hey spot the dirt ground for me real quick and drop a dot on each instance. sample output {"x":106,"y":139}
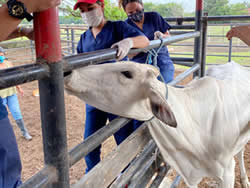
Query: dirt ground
{"x":32,"y":151}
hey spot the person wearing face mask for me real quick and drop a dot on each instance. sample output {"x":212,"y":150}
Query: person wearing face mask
{"x":9,"y":97}
{"x":100,"y":35}
{"x":154,"y":27}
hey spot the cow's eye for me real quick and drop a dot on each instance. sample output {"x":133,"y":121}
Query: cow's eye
{"x":127,"y":74}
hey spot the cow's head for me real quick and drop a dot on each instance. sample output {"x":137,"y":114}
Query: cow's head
{"x":126,"y":89}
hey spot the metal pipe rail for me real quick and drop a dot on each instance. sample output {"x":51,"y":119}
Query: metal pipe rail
{"x":187,"y":59}
{"x":214,"y":46}
{"x":183,"y":27}
{"x":228,"y":18}
{"x":95,"y":140}
{"x":42,"y":178}
{"x":28,"y":73}
{"x":217,"y":55}
{"x":135,"y":165}
{"x":209,"y":18}
{"x":45,"y":176}
{"x":182,"y":76}
{"x":73,"y":62}
{"x":79,"y":151}
{"x":167,"y":41}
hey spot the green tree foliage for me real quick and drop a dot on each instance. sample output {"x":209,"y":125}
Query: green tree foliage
{"x":69,"y":20}
{"x":111,"y":12}
{"x":238,"y":9}
{"x":222,"y":7}
{"x":166,"y":9}
{"x":216,"y":7}
{"x":150,"y":7}
{"x":247,"y":4}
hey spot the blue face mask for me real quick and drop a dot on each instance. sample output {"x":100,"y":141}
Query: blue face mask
{"x":2,"y":58}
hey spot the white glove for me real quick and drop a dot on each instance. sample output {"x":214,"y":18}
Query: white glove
{"x":123,"y":47}
{"x":158,"y":35}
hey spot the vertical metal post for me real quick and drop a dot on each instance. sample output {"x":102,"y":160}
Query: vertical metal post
{"x":68,"y":43}
{"x":230,"y":47}
{"x":48,"y":50}
{"x":198,"y":27}
{"x":32,"y":50}
{"x":73,"y":40}
{"x":204,"y":46}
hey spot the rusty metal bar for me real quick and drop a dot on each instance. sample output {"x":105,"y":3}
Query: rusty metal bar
{"x":51,"y":89}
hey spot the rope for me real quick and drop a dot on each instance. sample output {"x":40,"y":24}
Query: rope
{"x":152,"y":60}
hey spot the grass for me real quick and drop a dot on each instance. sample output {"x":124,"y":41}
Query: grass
{"x":221,"y":60}
{"x":218,"y":30}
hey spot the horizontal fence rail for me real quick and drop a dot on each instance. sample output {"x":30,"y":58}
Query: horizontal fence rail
{"x":209,"y":18}
{"x":27,"y":73}
{"x":72,"y":62}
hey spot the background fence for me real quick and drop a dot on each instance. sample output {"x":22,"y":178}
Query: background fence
{"x":51,"y":82}
{"x":219,"y":49}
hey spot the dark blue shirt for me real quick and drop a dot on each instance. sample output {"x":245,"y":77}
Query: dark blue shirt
{"x":3,"y":110}
{"x":153,"y":22}
{"x":112,"y":32}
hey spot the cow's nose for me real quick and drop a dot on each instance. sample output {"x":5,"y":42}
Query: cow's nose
{"x":67,"y":73}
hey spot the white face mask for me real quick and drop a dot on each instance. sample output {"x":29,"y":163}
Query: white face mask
{"x":93,"y":18}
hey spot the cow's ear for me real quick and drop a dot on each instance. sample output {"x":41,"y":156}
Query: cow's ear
{"x":161,"y":109}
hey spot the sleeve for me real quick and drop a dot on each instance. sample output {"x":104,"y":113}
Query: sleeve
{"x":162,"y":25}
{"x":127,"y":30}
{"x":79,"y":46}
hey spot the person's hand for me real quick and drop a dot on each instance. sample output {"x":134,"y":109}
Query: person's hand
{"x":38,"y":6}
{"x":123,"y":47}
{"x":20,"y":90}
{"x":27,"y":32}
{"x":158,"y":35}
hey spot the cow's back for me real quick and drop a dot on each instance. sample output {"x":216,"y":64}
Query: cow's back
{"x":213,"y":124}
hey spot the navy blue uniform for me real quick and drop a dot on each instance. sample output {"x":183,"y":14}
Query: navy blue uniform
{"x":111,"y":33}
{"x":154,"y":22}
{"x":10,"y":163}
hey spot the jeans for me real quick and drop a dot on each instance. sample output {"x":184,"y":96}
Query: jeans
{"x":95,"y":120}
{"x":10,"y":163}
{"x":167,"y":72}
{"x":13,"y":105}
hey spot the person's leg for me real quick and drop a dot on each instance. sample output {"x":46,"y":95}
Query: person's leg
{"x":137,"y":124}
{"x":95,"y":119}
{"x":13,"y":105}
{"x":167,"y":71}
{"x":10,"y":163}
{"x":124,"y":132}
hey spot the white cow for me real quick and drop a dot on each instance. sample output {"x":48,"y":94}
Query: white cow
{"x":211,"y":116}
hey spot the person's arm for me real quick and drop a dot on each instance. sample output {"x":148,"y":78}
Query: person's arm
{"x":241,"y":32}
{"x":8,"y":23}
{"x":22,"y":32}
{"x":132,"y":42}
{"x":140,"y":41}
{"x":131,"y":38}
